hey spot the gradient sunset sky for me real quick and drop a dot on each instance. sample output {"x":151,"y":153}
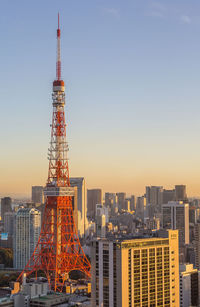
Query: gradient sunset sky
{"x":132,"y":74}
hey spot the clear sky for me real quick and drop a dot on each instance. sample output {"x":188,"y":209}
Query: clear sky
{"x":132,"y":74}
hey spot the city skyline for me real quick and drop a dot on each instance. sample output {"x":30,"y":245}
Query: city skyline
{"x":132,"y":98}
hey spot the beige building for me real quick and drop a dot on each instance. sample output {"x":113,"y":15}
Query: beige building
{"x":140,"y":272}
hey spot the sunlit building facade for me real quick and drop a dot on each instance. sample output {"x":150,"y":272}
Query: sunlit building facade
{"x":79,"y":183}
{"x":140,"y":272}
{"x":27,"y":227}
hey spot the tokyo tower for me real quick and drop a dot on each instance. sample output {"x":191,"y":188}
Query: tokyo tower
{"x":58,"y":250}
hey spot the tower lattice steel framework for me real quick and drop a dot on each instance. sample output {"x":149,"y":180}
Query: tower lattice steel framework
{"x":58,"y":250}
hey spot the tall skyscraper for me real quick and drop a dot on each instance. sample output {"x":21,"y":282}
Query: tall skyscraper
{"x":132,"y":203}
{"x":6,"y":206}
{"x":94,"y":197}
{"x":76,"y":216}
{"x":121,"y":200}
{"x":180,"y":192}
{"x":100,"y":210}
{"x":127,"y":204}
{"x":189,"y":292}
{"x":176,"y":216}
{"x":137,"y":272}
{"x":27,"y":231}
{"x":79,"y":182}
{"x":168,"y":195}
{"x":154,"y":196}
{"x":197,"y":245}
{"x":192,"y":214}
{"x":110,"y":199}
{"x":101,"y":219}
{"x":9,"y":223}
{"x":141,"y":207}
{"x":38,"y":194}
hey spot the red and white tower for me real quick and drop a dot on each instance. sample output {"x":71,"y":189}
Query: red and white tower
{"x":58,"y":250}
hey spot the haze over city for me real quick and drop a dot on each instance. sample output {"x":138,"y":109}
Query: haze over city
{"x":131,"y":70}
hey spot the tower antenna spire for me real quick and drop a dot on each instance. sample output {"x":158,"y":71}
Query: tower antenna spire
{"x":58,"y":63}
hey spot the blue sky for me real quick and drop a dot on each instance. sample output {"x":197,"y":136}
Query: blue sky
{"x":132,"y":74}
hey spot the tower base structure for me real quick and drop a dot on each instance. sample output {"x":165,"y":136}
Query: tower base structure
{"x":58,"y":251}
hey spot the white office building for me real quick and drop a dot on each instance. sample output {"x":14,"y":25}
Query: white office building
{"x":27,"y":227}
{"x":101,"y":219}
{"x":188,"y":285}
{"x":79,"y":182}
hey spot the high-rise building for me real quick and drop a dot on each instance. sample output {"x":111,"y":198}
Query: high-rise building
{"x":192,"y":215}
{"x":27,"y":231}
{"x":101,"y":226}
{"x":127,"y":204}
{"x":94,"y":197}
{"x":79,"y":182}
{"x":189,"y":292}
{"x":76,"y":216}
{"x":132,"y":203}
{"x":168,"y":195}
{"x":154,"y":196}
{"x":100,"y":210}
{"x":110,"y":199}
{"x":192,"y":220}
{"x":6,"y":206}
{"x":137,"y":272}
{"x":38,"y":194}
{"x":196,"y":203}
{"x":147,"y":194}
{"x":101,"y":219}
{"x":197,"y":245}
{"x":121,"y":200}
{"x":180,"y":192}
{"x":141,"y":207}
{"x":9,"y":223}
{"x":176,"y":216}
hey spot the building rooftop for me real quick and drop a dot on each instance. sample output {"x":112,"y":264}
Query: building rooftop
{"x":51,"y":296}
{"x":61,"y":299}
